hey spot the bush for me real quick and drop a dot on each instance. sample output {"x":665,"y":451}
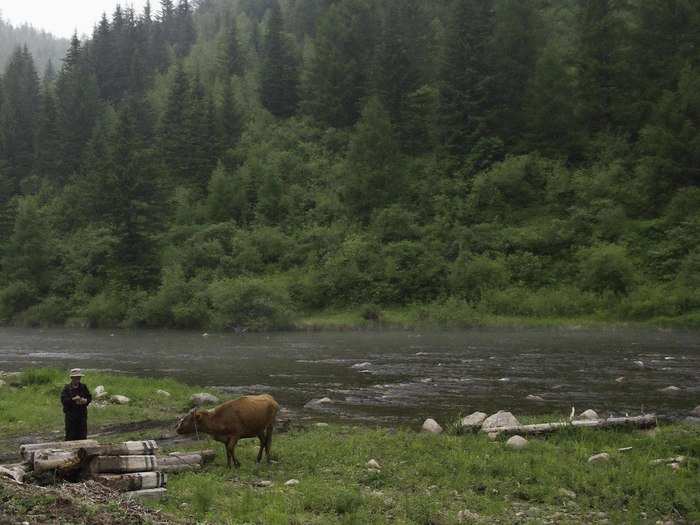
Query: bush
{"x":658,"y":300}
{"x":561,"y":301}
{"x":51,"y":311}
{"x":248,"y":302}
{"x":15,"y":298}
{"x":41,"y":376}
{"x":105,"y":310}
{"x":606,"y":267}
{"x":472,"y":276}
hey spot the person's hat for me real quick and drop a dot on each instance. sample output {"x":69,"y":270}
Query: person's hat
{"x":76,"y":372}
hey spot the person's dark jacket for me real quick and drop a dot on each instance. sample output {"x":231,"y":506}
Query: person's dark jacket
{"x":69,"y":406}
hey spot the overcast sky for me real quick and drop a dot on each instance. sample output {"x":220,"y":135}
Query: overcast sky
{"x":63,"y":17}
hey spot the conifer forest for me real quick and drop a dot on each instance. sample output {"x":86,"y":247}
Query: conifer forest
{"x":247,"y":163}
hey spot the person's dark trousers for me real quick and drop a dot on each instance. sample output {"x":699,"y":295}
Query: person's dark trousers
{"x":76,"y":427}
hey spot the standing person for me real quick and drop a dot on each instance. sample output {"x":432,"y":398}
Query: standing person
{"x":75,"y":398}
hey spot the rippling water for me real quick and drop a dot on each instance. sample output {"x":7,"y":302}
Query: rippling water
{"x":397,"y":376}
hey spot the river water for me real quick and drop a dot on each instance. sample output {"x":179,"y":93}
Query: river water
{"x":397,"y":377}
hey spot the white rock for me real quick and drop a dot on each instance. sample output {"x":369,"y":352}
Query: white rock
{"x":100,"y":392}
{"x":567,"y":493}
{"x":163,"y":393}
{"x":467,"y":516}
{"x":696,"y":411}
{"x":670,"y":389}
{"x":473,"y":421}
{"x":675,"y":466}
{"x":620,"y":379}
{"x":2,"y":383}
{"x":534,"y":398}
{"x":625,"y":449}
{"x":638,"y":364}
{"x":321,"y":425}
{"x":373,"y":463}
{"x":493,"y":436}
{"x":359,"y":366}
{"x":119,"y":400}
{"x":264,"y":483}
{"x":599,"y":458}
{"x":431,"y":426}
{"x":291,"y":482}
{"x":500,"y":419}
{"x":314,"y":403}
{"x":516,"y":442}
{"x":589,"y":415}
{"x":203,"y":399}
{"x":504,"y":379}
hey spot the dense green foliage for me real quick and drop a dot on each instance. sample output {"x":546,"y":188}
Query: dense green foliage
{"x":243,"y":163}
{"x":44,"y":47}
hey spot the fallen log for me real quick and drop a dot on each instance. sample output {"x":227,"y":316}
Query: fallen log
{"x":27,"y":451}
{"x":45,"y":460}
{"x":133,"y":481}
{"x":180,"y":467}
{"x":152,"y":494}
{"x":16,"y":471}
{"x":122,"y":464}
{"x":128,"y":448}
{"x":181,"y":461}
{"x":645,"y":421}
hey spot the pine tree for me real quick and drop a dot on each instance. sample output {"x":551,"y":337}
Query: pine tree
{"x":467,"y":76}
{"x":18,"y":117}
{"x":230,"y":121}
{"x":185,"y":31}
{"x":279,"y":75}
{"x":174,"y":146}
{"x":47,"y":135}
{"x":230,"y":57}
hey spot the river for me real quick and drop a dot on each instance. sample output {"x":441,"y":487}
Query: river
{"x":397,"y":377}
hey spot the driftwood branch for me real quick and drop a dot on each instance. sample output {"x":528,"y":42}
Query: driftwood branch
{"x":645,"y":421}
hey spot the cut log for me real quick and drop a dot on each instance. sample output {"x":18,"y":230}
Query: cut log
{"x":27,"y":451}
{"x":151,"y":494}
{"x":16,"y":471}
{"x":45,"y":460}
{"x":182,"y":461}
{"x":122,"y":464}
{"x":128,"y":448}
{"x":646,"y":421}
{"x":180,"y":467}
{"x":133,"y":481}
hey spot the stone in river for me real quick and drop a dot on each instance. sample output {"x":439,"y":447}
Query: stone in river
{"x":532,"y":397}
{"x":473,"y":421}
{"x":431,"y":426}
{"x":620,"y":379}
{"x":366,"y":364}
{"x":315,"y":403}
{"x":589,"y":415}
{"x":696,"y":411}
{"x":638,"y":364}
{"x":203,"y":399}
{"x":500,"y":419}
{"x":599,"y":458}
{"x":670,"y":389}
{"x":516,"y":442}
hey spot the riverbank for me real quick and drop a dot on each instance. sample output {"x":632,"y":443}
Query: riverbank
{"x":421,"y":478}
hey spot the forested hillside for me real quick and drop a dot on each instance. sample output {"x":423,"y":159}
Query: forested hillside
{"x":249,"y":162}
{"x":43,"y":46}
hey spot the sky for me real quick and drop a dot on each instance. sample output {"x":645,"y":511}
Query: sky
{"x":62,"y":17}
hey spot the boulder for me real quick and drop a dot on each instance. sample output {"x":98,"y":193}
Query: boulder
{"x":203,"y":399}
{"x":119,"y":400}
{"x":516,"y":442}
{"x":264,"y":483}
{"x":473,"y":421}
{"x":360,"y":366}
{"x":532,"y":397}
{"x":431,"y":426}
{"x":321,"y":425}
{"x":696,"y":411}
{"x":620,"y":379}
{"x":638,"y":364}
{"x":315,"y":403}
{"x":493,"y":436}
{"x":500,"y":419}
{"x":589,"y":415}
{"x":291,"y":482}
{"x":163,"y":393}
{"x":599,"y":458}
{"x":670,"y":390}
{"x":372,"y":463}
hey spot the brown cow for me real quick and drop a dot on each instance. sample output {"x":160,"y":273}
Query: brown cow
{"x":246,"y":417}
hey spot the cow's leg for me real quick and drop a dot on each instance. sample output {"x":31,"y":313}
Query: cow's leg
{"x":231,"y":448}
{"x":261,"y":437}
{"x":228,"y":455}
{"x":268,"y":442}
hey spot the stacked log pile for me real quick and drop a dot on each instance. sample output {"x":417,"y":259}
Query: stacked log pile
{"x":132,"y":467}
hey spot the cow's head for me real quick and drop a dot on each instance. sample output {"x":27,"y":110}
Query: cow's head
{"x":187,"y":424}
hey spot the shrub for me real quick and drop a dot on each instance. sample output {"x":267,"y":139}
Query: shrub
{"x":471,"y":276}
{"x":371,"y":312}
{"x":51,"y":311}
{"x":606,"y":267}
{"x":105,"y":310}
{"x":248,"y":302}
{"x":560,"y":301}
{"x":16,"y":297}
{"x":40,"y":376}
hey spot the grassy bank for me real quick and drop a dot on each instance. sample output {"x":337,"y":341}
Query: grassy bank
{"x":424,"y":479}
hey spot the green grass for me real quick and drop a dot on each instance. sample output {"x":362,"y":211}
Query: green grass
{"x":32,"y":402}
{"x":424,"y":479}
